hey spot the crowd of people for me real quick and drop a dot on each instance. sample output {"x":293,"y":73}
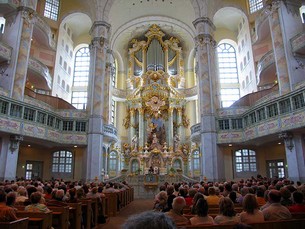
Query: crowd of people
{"x":260,"y":199}
{"x":37,"y":196}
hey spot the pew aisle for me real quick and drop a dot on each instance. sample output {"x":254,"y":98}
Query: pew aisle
{"x":135,"y":207}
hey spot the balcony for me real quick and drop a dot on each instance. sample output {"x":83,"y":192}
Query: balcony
{"x":43,"y":34}
{"x":119,"y":94}
{"x":266,"y":70}
{"x":110,"y":133}
{"x":298,"y":44}
{"x":5,"y":53}
{"x":196,"y":133}
{"x":38,"y":75}
{"x":7,"y":6}
{"x":189,"y":93}
{"x":262,"y":29}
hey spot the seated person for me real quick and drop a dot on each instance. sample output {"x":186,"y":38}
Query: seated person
{"x":149,"y":220}
{"x":35,"y":205}
{"x":6,"y":213}
{"x":251,"y":213}
{"x":22,"y":195}
{"x":202,"y":217}
{"x":57,"y":201}
{"x":276,"y":211}
{"x":227,"y":212}
{"x":161,"y":202}
{"x":176,"y":212}
{"x":298,"y":201}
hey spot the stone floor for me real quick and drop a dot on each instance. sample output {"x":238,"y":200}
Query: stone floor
{"x":135,"y":207}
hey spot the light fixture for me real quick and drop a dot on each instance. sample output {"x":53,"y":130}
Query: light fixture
{"x":29,"y":145}
{"x":230,"y":145}
{"x":15,"y":141}
{"x":288,"y":139}
{"x":75,"y":146}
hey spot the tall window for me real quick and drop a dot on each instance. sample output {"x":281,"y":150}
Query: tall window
{"x":245,"y":161}
{"x":228,"y":74}
{"x":255,"y":5}
{"x":51,"y":9}
{"x":81,"y":77}
{"x":196,"y":162}
{"x":112,"y":161}
{"x":62,"y":162}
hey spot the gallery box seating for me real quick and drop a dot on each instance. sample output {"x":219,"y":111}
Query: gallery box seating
{"x":17,"y":224}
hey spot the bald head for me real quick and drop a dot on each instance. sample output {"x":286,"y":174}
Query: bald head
{"x":179,"y":203}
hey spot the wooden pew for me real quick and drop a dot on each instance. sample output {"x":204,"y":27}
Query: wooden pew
{"x":94,"y":211}
{"x":75,"y":215}
{"x":39,"y":220}
{"x":86,"y":212}
{"x":113,"y":202}
{"x":17,"y":224}
{"x":60,"y":217}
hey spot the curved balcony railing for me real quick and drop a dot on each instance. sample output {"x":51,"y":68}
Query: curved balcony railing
{"x":298,"y":43}
{"x":260,"y":19}
{"x":110,"y":133}
{"x":5,"y":51}
{"x":42,"y":70}
{"x":189,"y":92}
{"x":8,"y":5}
{"x":263,"y":63}
{"x":119,"y":93}
{"x":195,"y":132}
{"x":43,"y":26}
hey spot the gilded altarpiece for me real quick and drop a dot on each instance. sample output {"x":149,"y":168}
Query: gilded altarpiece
{"x":156,"y":119}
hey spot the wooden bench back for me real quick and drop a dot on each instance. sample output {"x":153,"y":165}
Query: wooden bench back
{"x":60,"y":219}
{"x":75,"y":215}
{"x":43,"y":220}
{"x":17,"y":224}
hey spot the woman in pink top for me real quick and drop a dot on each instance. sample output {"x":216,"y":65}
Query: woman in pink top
{"x":251,"y":213}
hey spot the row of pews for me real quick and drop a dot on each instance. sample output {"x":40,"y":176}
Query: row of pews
{"x":87,"y":213}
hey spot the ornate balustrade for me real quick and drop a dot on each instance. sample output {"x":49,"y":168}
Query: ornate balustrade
{"x":260,"y":120}
{"x":64,"y":126}
{"x":42,"y":70}
{"x":110,"y":133}
{"x":119,"y":93}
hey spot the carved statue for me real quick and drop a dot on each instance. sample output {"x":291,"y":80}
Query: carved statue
{"x":176,"y":142}
{"x":126,"y":150}
{"x":134,"y":143}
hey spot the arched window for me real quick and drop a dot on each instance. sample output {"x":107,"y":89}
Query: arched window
{"x":80,"y":78}
{"x":245,"y":161}
{"x":62,"y":162}
{"x":134,"y":165}
{"x":177,"y":164}
{"x":51,"y":9}
{"x":113,"y":161}
{"x":228,"y":74}
{"x":196,"y":161}
{"x":255,"y":5}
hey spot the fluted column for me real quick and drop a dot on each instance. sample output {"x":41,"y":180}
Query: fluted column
{"x":107,"y":82}
{"x":141,"y":129}
{"x":144,"y":60}
{"x":170,"y":127}
{"x":132,"y":122}
{"x":179,"y":122}
{"x":208,"y":103}
{"x":94,"y":158}
{"x":278,"y":47}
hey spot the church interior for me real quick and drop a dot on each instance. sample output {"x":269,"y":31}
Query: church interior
{"x":175,"y":89}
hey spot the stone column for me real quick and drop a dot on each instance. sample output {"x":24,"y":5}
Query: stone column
{"x":295,"y":156}
{"x":179,"y":122}
{"x":107,"y":86}
{"x":278,"y":47}
{"x":212,"y":166}
{"x":141,"y":129}
{"x":94,"y":159}
{"x":23,"y":51}
{"x":9,"y":151}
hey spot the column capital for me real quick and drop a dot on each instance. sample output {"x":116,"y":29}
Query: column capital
{"x":203,"y":39}
{"x":28,"y":14}
{"x":98,"y":42}
{"x":205,"y":21}
{"x":100,"y":29}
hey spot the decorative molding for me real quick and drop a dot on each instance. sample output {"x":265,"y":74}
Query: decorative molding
{"x":203,"y":39}
{"x":204,"y":20}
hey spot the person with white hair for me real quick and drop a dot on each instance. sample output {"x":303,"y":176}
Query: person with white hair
{"x":21,"y":195}
{"x":58,"y":199}
{"x":176,"y":214}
